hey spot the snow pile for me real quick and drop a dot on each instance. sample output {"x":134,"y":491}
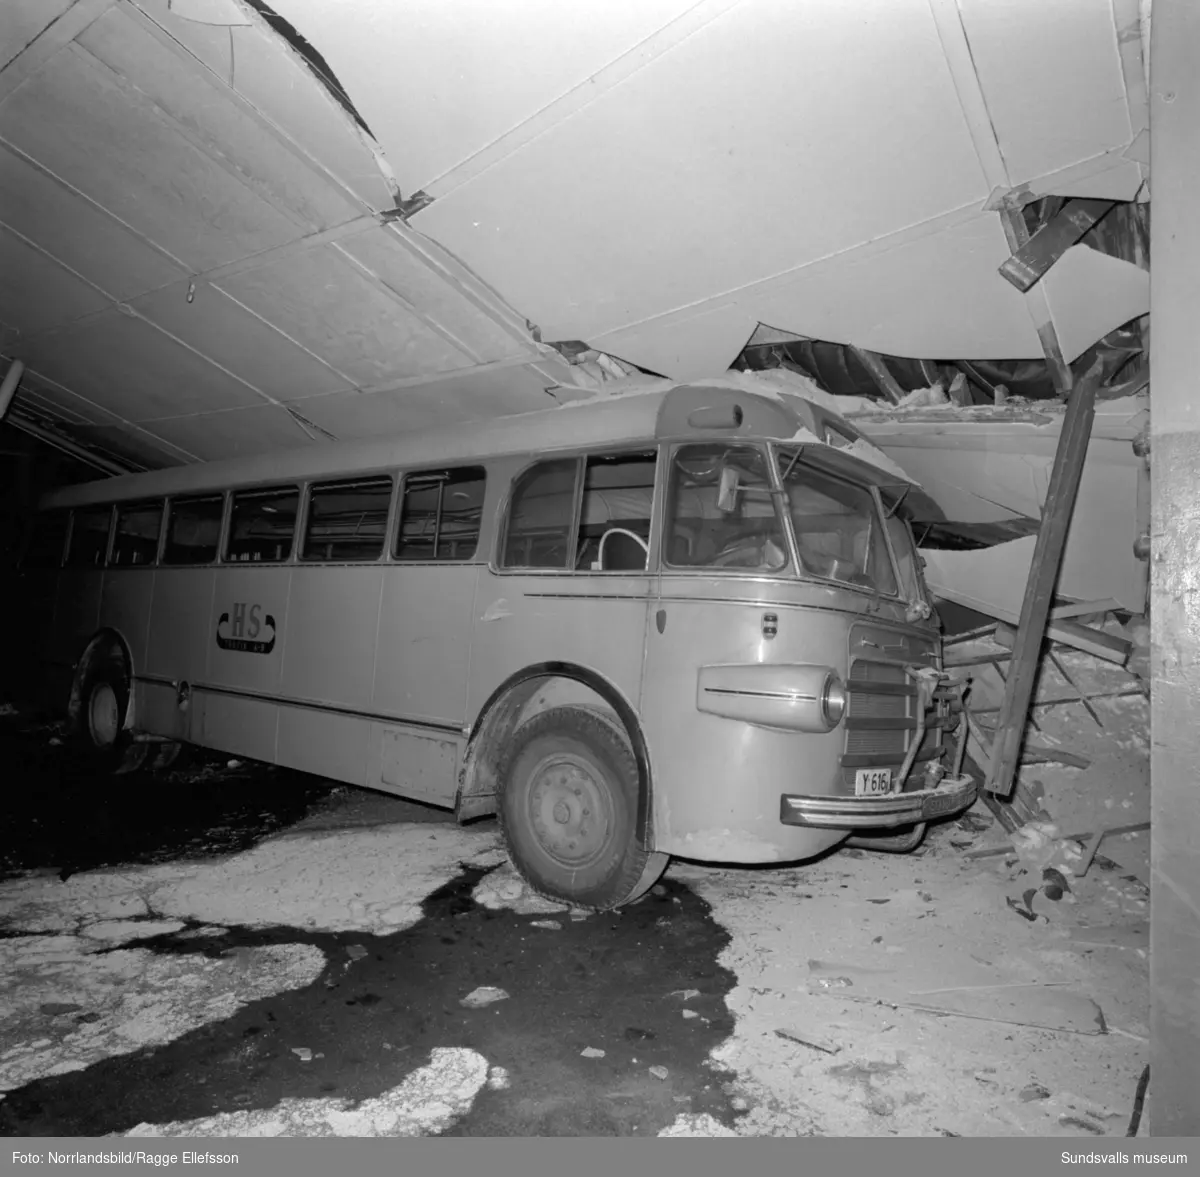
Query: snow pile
{"x":425,"y":1104}
{"x":65,"y":1006}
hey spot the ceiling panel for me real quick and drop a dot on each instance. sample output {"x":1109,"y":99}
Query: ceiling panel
{"x":99,"y":247}
{"x":239,"y":341}
{"x":83,"y":129}
{"x":257,"y":430}
{"x":384,"y":254}
{"x":449,"y":401}
{"x":221,"y":128}
{"x":712,"y":170}
{"x":47,"y":294}
{"x":480,"y":67}
{"x":1056,"y":116}
{"x":133,"y":369}
{"x":319,"y":299}
{"x":22,"y":20}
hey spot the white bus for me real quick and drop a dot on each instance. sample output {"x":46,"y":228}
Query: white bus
{"x":683,"y":622}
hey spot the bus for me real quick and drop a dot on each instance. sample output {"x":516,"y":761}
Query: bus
{"x":688,"y":621}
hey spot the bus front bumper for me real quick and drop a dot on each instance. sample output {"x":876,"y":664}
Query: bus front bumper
{"x":868,"y":813}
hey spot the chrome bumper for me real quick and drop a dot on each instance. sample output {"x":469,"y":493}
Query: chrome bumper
{"x":866,"y":813}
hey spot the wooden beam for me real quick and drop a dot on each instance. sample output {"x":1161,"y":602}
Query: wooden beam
{"x":874,"y":364}
{"x":1039,"y":306}
{"x":1043,"y":576}
{"x":1029,"y":264}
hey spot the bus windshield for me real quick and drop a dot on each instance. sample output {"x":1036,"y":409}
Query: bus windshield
{"x":839,"y":535}
{"x":707,"y":530}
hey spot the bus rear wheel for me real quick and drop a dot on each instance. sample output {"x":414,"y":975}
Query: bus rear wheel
{"x":568,"y":808}
{"x":101,"y":740}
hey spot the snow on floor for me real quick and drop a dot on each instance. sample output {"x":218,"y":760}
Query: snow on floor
{"x":70,"y":995}
{"x":889,"y":925}
{"x":862,"y":924}
{"x":426,"y":1103}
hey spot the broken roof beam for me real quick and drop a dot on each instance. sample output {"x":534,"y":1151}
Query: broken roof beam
{"x":1038,"y":306}
{"x":873,"y":362}
{"x":1043,"y":576}
{"x":1028,"y":264}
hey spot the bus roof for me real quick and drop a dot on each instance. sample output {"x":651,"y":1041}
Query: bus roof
{"x":685,"y":411}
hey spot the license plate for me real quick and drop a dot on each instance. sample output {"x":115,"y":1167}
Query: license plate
{"x":872,"y":782}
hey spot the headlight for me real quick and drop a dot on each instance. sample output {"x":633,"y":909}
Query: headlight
{"x":833,"y":700}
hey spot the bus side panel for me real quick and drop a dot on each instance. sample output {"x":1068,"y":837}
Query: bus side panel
{"x":181,"y":632}
{"x":238,"y":710}
{"x":717,"y":781}
{"x":595,"y":622}
{"x":424,"y":642}
{"x":332,"y":618}
{"x":76,"y":616}
{"x":126,"y":606}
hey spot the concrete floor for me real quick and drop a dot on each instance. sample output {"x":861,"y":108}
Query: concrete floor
{"x":239,"y":950}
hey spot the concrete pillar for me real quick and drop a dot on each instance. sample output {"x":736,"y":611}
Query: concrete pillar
{"x":1175,"y":568}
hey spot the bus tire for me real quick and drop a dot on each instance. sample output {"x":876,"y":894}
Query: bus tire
{"x":101,"y":740}
{"x":568,"y":809}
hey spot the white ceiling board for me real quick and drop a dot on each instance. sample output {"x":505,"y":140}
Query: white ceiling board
{"x":257,"y":430}
{"x":1091,"y":294}
{"x":239,"y":341}
{"x":714,"y":169}
{"x":936,"y":296}
{"x":686,"y":347}
{"x":22,"y":20}
{"x":498,"y":393}
{"x":439,"y":80}
{"x":46,"y":295}
{"x":99,"y":247}
{"x":218,"y":127}
{"x":134,"y":370}
{"x":1052,"y":79}
{"x":82,"y":129}
{"x":383,"y":254}
{"x":319,"y":299}
{"x":146,"y":448}
{"x":61,"y":403}
{"x":272,"y":77}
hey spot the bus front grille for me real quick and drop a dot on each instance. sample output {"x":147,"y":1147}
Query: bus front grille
{"x":881,"y":717}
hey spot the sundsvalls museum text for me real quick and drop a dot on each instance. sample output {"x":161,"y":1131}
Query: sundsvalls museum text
{"x":125,"y":1157}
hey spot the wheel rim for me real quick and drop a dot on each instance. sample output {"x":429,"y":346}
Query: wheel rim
{"x":104,"y":716}
{"x":570,"y":810}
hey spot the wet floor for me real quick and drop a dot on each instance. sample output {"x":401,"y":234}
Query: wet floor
{"x":609,"y":982}
{"x":57,"y":816}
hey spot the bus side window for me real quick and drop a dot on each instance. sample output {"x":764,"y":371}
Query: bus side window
{"x":541,"y":516}
{"x":440,"y":514}
{"x":263,"y":525}
{"x":49,"y":538}
{"x":194,"y":530}
{"x":614,"y":524}
{"x":89,"y":537}
{"x":136,"y":539}
{"x":347,"y":521}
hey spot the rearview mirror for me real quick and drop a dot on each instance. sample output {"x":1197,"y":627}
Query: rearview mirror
{"x":727,"y":493}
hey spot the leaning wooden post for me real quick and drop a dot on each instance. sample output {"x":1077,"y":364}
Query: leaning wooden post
{"x":1043,"y":576}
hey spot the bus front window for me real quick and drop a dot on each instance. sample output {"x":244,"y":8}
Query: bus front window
{"x":839,"y":535}
{"x":721,"y":512}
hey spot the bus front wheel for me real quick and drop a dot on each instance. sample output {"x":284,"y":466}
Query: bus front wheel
{"x":568,"y":808}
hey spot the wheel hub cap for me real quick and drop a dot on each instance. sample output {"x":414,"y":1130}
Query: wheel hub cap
{"x":104,"y":716}
{"x":569,"y":810}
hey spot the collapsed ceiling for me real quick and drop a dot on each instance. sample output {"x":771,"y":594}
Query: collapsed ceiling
{"x":226,"y":229}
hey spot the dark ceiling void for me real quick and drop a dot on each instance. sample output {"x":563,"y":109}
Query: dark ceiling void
{"x":1122,"y":232}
